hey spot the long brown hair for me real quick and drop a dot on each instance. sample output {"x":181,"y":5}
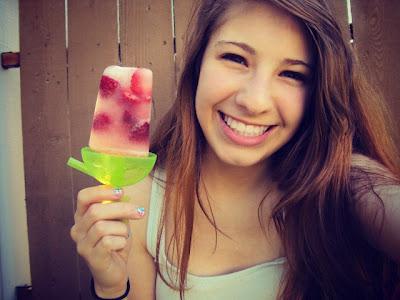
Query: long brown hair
{"x":327,"y":257}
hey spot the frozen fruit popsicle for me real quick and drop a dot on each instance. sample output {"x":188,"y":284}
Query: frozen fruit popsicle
{"x":122,"y":114}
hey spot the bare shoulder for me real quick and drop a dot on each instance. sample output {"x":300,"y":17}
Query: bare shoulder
{"x":377,"y":201}
{"x":368,"y":175}
{"x":365,"y":163}
{"x":371,"y":181}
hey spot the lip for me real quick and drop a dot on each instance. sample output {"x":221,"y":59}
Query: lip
{"x":244,"y":140}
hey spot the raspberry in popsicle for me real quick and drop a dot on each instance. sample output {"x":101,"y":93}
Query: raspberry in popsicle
{"x":121,"y":120}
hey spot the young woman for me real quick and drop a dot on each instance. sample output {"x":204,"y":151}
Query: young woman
{"x":276,"y":178}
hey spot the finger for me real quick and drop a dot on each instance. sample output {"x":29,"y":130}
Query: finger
{"x":105,"y":228}
{"x":110,"y":243}
{"x":112,"y":211}
{"x":96,"y":194}
{"x":73,"y":233}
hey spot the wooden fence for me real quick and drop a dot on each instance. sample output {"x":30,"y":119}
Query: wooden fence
{"x":59,"y":87}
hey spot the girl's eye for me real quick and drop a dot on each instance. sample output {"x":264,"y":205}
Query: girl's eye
{"x":235,"y":58}
{"x":295,"y":76}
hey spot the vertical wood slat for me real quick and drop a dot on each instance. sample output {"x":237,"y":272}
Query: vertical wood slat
{"x":46,"y":149}
{"x":339,"y":8}
{"x":183,"y":10}
{"x":93,"y":45}
{"x":147,"y":41}
{"x":377,"y":43}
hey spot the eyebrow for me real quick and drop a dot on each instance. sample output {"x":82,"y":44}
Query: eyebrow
{"x":252,"y":51}
{"x":244,"y":46}
{"x":297,"y":62}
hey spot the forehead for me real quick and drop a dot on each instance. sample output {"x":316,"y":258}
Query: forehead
{"x":264,"y":26}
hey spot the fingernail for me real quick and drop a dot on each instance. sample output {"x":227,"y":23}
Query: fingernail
{"x":140,"y":211}
{"x":117,"y":192}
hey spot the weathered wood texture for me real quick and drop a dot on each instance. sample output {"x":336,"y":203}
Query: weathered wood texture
{"x":46,"y":132}
{"x":147,"y":41}
{"x":92,"y":45}
{"x":377,"y":41}
{"x":59,"y":88}
{"x":183,"y":14}
{"x":339,"y":8}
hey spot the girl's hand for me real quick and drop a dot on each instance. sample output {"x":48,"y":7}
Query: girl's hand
{"x":103,"y":238}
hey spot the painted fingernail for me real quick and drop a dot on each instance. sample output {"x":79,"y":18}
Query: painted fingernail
{"x":117,"y":192}
{"x":140,"y":211}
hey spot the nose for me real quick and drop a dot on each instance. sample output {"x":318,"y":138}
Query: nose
{"x":255,"y":95}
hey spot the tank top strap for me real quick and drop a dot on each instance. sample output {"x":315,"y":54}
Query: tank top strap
{"x":155,"y":210}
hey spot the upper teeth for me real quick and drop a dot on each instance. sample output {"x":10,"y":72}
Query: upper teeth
{"x":244,"y":129}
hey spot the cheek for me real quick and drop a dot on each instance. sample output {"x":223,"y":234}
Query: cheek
{"x":205,"y":94}
{"x":215,"y":83}
{"x":292,"y":106}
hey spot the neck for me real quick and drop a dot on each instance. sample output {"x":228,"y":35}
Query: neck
{"x":233,"y":182}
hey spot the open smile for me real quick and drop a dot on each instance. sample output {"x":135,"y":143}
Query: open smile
{"x":243,"y":133}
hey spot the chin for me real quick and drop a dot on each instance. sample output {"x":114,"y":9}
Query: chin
{"x":242,"y":161}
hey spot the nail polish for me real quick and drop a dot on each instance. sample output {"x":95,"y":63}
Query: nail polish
{"x":117,"y":192}
{"x":140,"y":211}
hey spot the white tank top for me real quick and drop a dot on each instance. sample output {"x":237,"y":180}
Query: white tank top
{"x":259,"y":282}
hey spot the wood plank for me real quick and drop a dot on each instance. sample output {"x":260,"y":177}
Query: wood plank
{"x":339,"y":8}
{"x":183,"y":11}
{"x":92,"y":45}
{"x":377,"y":43}
{"x":147,"y":41}
{"x":46,"y":148}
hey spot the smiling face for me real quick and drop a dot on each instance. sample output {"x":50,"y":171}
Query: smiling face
{"x":253,"y":83}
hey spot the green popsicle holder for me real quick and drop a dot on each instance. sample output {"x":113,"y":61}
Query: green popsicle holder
{"x":114,"y":170}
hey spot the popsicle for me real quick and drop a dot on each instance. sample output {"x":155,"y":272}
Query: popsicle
{"x":118,"y":152}
{"x":122,"y":113}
